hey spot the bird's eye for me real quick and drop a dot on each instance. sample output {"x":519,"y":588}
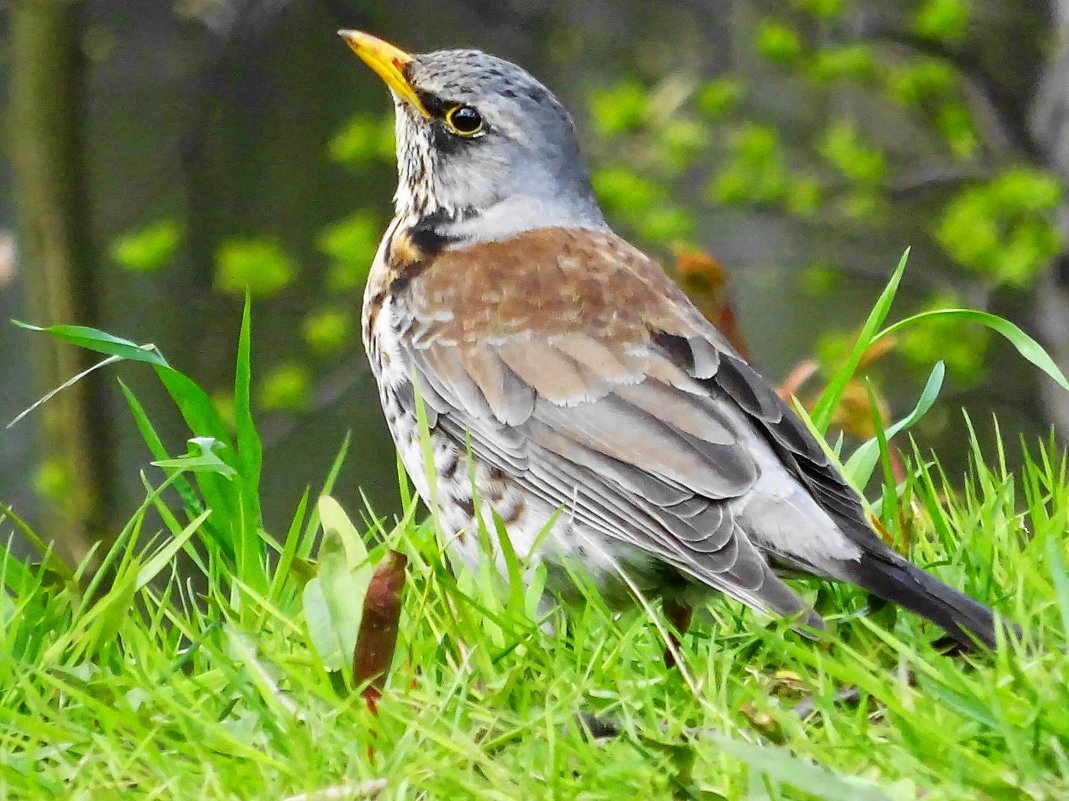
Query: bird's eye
{"x":464,"y":121}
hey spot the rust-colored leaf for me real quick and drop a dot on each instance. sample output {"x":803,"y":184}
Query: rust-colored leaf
{"x":855,"y":413}
{"x":792,"y":384}
{"x":705,"y":281}
{"x":377,"y":637}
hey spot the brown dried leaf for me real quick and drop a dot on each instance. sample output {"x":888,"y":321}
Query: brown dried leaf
{"x":377,"y":638}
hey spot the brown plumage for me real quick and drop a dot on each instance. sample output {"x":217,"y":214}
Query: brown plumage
{"x":568,"y":382}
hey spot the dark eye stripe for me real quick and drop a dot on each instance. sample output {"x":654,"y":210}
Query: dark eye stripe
{"x":434,"y":104}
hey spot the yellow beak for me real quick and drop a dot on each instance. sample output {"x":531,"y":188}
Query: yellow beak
{"x":388,"y":62}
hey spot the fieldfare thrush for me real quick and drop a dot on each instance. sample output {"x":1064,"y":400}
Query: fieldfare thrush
{"x":565,"y":378}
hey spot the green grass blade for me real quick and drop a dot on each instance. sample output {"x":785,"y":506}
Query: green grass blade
{"x":156,"y":447}
{"x":163,"y":557}
{"x":200,"y":414}
{"x":308,"y":541}
{"x":1061,"y":581}
{"x":101,"y":342}
{"x":44,"y":549}
{"x":70,"y":382}
{"x":252,"y":565}
{"x":289,"y":550}
{"x":196,"y":407}
{"x":833,"y":393}
{"x":862,"y":461}
{"x":780,"y":765}
{"x":1025,"y":345}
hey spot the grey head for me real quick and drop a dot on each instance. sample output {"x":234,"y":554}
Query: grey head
{"x":484,"y":151}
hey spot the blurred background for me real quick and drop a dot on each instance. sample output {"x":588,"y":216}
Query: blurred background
{"x":162,"y":156}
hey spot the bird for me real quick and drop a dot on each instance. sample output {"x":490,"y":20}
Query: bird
{"x":541,"y":375}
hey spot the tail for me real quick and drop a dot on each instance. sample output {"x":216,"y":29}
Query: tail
{"x":892,"y":578}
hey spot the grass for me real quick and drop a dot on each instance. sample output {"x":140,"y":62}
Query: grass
{"x":203,"y":657}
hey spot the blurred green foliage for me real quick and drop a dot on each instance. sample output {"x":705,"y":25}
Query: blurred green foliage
{"x":789,"y":130}
{"x":350,"y":245}
{"x":779,"y":42}
{"x":831,"y":161}
{"x":262,"y":266}
{"x":963,"y":351}
{"x":943,"y":20}
{"x":1002,"y":229}
{"x":755,"y":171}
{"x":919,"y":80}
{"x":856,"y":62}
{"x":364,"y":140}
{"x":287,"y":386}
{"x":717,"y":97}
{"x":148,"y":249}
{"x":619,"y":109}
{"x":52,"y":480}
{"x":844,"y":148}
{"x":327,"y":331}
{"x":258,"y":266}
{"x":821,"y":9}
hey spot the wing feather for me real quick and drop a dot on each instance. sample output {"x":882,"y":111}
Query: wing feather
{"x":647,"y":464}
{"x":614,"y":399}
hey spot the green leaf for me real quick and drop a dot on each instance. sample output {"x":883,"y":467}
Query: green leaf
{"x":1004,"y":229}
{"x":717,"y":97}
{"x":824,"y":9}
{"x":364,"y":140}
{"x":862,"y":462}
{"x":200,"y":459}
{"x":308,"y":540}
{"x":203,"y":419}
{"x":625,"y":191}
{"x":288,"y":557}
{"x":326,"y":331}
{"x":1025,"y":345}
{"x":833,"y":393}
{"x":53,"y":474}
{"x":195,"y":405}
{"x":17,"y":578}
{"x":756,"y":171}
{"x":1060,"y":579}
{"x":854,"y":62}
{"x":919,"y":80}
{"x":49,"y":559}
{"x":940,"y":339}
{"x":333,"y":518}
{"x":333,"y":603}
{"x":100,"y":341}
{"x":955,"y":122}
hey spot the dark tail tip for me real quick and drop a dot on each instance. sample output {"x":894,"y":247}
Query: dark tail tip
{"x":894,"y":579}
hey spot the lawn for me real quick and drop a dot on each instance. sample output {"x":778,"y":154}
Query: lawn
{"x":200,"y":656}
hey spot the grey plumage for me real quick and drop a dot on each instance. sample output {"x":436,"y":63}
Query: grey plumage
{"x":563,"y":371}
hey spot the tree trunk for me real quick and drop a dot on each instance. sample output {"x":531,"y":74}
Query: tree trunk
{"x":54,"y":255}
{"x":1050,"y":126}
